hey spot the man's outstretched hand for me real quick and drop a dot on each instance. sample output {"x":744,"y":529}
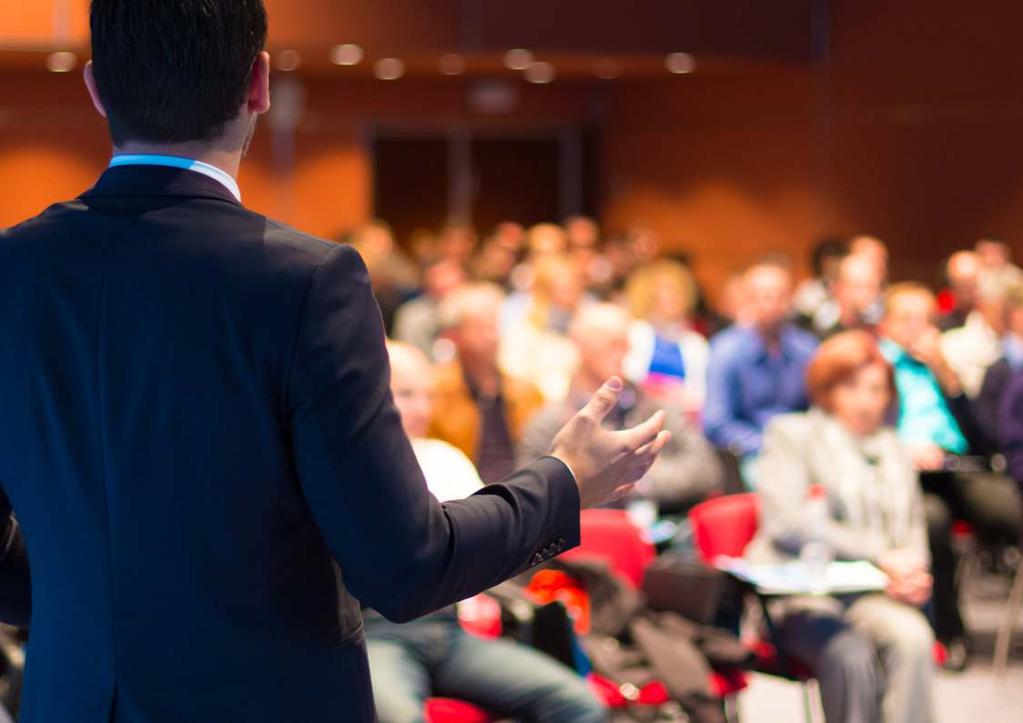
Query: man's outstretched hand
{"x":606,"y":463}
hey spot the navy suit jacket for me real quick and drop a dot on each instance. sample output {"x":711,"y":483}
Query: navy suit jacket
{"x":196,"y":423}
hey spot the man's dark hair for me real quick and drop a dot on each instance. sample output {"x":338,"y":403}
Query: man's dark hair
{"x":174,"y":71}
{"x":829,"y":247}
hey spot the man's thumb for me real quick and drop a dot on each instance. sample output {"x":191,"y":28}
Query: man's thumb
{"x":601,"y":403}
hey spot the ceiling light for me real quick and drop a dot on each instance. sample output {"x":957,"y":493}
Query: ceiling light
{"x":518,"y":59}
{"x":62,"y":61}
{"x":451,"y":64}
{"x":607,"y":69}
{"x":389,"y":69}
{"x":680,"y":63}
{"x":347,"y":54}
{"x":288,"y":60}
{"x":540,"y":72}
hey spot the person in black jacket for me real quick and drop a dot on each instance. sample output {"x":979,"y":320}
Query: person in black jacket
{"x":999,"y":375}
{"x":198,"y":422}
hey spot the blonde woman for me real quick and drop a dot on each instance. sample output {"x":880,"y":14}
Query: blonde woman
{"x":666,"y":357}
{"x":536,"y":347}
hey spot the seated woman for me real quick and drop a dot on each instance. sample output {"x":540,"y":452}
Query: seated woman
{"x":871,"y":653}
{"x":666,"y":356}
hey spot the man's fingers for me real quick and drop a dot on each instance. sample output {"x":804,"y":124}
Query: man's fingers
{"x":654,"y":448}
{"x":621,"y":491}
{"x":601,"y":403}
{"x":645,"y":433}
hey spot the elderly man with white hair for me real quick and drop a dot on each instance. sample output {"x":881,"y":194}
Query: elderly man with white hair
{"x":688,"y":468}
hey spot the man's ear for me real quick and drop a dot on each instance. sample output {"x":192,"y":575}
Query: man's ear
{"x":90,"y":85}
{"x":258,"y":101}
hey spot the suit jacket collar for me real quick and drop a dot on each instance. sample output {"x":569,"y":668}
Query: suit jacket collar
{"x":158,"y":181}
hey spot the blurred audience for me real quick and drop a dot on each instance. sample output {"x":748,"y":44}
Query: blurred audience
{"x":874,"y":249}
{"x":1011,"y":427}
{"x":996,"y":258}
{"x":977,"y":344}
{"x":479,"y":409}
{"x":395,"y":278}
{"x":457,"y":243}
{"x":417,"y":322}
{"x":1010,"y":362}
{"x":535,"y":347}
{"x":871,"y":653}
{"x":962,"y":274}
{"x":433,"y":655}
{"x":857,"y":291}
{"x":948,"y":447}
{"x":687,"y":469}
{"x":666,"y":357}
{"x":756,"y":371}
{"x":525,"y":342}
{"x":587,"y":249}
{"x":815,"y":293}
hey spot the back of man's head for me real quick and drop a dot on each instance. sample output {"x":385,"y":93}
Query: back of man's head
{"x":174,"y":71}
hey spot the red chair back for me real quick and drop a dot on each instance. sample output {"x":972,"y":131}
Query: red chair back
{"x":610,"y":535}
{"x":725,"y":525}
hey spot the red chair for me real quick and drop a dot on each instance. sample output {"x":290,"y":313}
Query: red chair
{"x":725,"y":526}
{"x":445,"y":710}
{"x":610,"y":535}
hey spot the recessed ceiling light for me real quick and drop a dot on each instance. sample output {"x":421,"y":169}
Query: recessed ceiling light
{"x":607,"y":69}
{"x":288,"y":60}
{"x":680,"y":63}
{"x":389,"y":68}
{"x":540,"y":72}
{"x":451,"y":64}
{"x":62,"y":61}
{"x":347,"y":54}
{"x":518,"y":59}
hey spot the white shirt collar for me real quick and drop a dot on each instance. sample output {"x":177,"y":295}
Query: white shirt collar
{"x":188,"y":164}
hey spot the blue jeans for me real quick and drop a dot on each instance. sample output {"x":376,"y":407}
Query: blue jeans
{"x":433,"y":656}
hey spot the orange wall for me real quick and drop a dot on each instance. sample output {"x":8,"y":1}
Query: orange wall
{"x":724,"y":169}
{"x":894,"y":136}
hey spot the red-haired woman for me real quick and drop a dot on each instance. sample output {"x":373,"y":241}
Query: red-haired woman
{"x":872,"y":653}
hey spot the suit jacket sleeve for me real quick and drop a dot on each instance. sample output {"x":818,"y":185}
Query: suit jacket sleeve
{"x":400,"y":551}
{"x":15,"y":583}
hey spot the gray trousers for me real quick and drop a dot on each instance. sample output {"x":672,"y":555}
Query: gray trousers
{"x":873,"y":656}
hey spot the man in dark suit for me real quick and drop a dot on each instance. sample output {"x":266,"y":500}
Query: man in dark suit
{"x":197,"y":422}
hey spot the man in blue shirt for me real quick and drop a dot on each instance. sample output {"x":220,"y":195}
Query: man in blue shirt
{"x":756,"y":371}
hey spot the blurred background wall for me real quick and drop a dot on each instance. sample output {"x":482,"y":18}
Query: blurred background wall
{"x":782,"y":122}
